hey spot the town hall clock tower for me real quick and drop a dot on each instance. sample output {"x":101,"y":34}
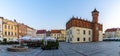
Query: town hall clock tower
{"x":95,"y":28}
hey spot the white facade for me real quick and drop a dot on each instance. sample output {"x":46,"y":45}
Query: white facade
{"x":31,"y":32}
{"x":34,"y":33}
{"x":117,"y":33}
{"x":100,"y":36}
{"x":112,"y":34}
{"x":78,"y":34}
{"x":109,"y":34}
{"x":41,"y":35}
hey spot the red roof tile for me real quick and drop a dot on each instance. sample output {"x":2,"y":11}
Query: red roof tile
{"x":55,"y":31}
{"x":40,"y":31}
{"x":112,"y":30}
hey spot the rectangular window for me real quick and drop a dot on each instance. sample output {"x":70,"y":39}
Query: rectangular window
{"x":11,"y":27}
{"x":5,"y":26}
{"x":11,"y":33}
{"x":5,"y":33}
{"x":8,"y":27}
{"x":8,"y":33}
{"x":15,"y":34}
{"x":78,"y":39}
{"x":89,"y":32}
{"x":84,"y":39}
{"x":79,"y":24}
{"x":84,"y":32}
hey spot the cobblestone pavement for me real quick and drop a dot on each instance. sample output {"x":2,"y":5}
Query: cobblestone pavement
{"x":67,"y":49}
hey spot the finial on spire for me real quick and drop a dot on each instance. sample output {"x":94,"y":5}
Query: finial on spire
{"x":95,"y":10}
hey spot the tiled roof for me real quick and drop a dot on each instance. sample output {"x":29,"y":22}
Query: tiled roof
{"x":112,"y":29}
{"x":41,"y":31}
{"x":55,"y":31}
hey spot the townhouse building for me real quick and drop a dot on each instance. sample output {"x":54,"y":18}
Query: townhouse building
{"x":80,"y":30}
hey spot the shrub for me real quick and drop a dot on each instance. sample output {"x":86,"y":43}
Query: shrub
{"x":9,"y":43}
{"x":50,"y":45}
{"x":5,"y":40}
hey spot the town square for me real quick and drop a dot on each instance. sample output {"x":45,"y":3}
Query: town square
{"x":59,"y":28}
{"x":67,"y":49}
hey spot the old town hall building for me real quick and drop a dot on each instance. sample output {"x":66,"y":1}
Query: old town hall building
{"x":80,"y":30}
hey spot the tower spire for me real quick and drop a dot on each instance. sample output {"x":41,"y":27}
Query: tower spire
{"x":95,"y":10}
{"x":95,"y":15}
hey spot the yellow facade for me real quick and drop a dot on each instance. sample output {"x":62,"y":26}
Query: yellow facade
{"x":63,"y":35}
{"x":56,"y":35}
{"x":10,"y":30}
{"x":60,"y":36}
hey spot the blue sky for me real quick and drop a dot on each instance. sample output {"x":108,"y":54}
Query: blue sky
{"x":53,"y":14}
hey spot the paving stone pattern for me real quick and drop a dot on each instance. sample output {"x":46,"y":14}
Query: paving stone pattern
{"x":67,"y":49}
